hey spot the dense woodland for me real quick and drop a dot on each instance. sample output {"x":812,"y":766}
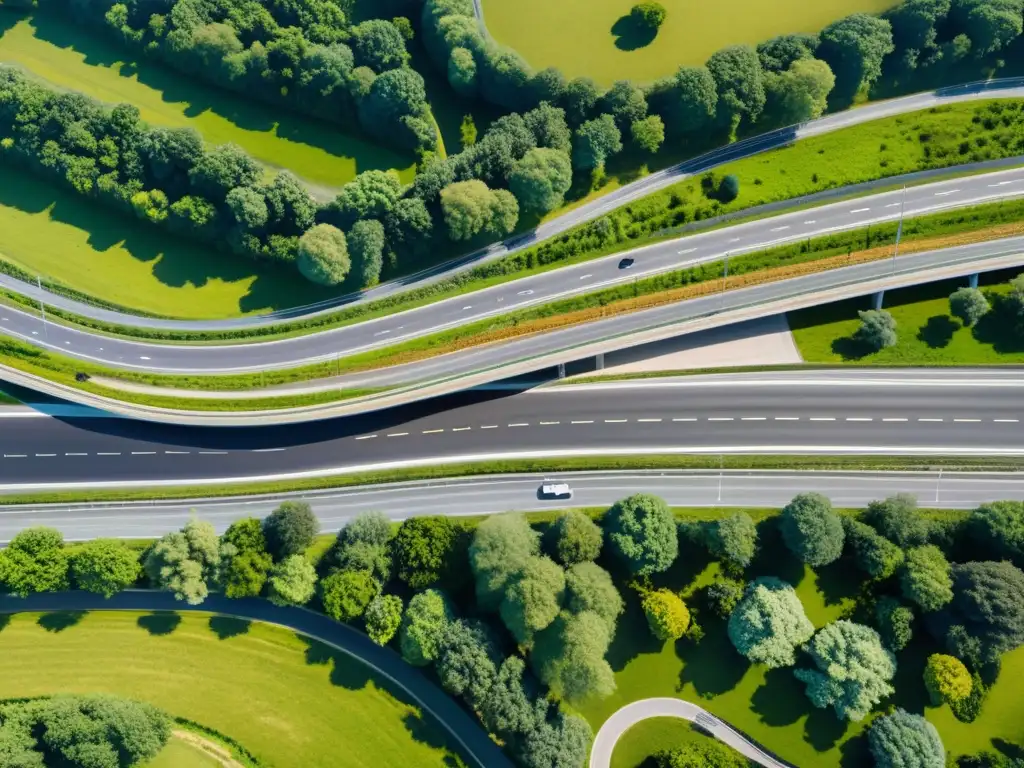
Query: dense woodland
{"x":514,"y":617}
{"x":308,"y":56}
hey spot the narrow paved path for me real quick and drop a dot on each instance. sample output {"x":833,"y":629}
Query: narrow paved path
{"x":631,"y":714}
{"x":464,"y":730}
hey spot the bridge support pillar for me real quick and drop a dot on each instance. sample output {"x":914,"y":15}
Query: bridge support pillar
{"x":599,"y":362}
{"x":561,"y":370}
{"x":972,"y":281}
{"x":876,"y":300}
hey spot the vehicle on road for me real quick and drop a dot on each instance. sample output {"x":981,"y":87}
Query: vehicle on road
{"x":626,"y":263}
{"x":551,"y":489}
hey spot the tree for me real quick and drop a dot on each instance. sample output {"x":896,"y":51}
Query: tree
{"x":895,"y":623}
{"x":946,"y":679}
{"x":501,"y":545}
{"x":780,"y":52}
{"x":579,"y":99}
{"x":383,"y":618}
{"x":362,"y":545}
{"x":854,"y":48}
{"x":666,"y":613}
{"x":507,"y":710}
{"x":428,"y":551}
{"x":366,"y":251}
{"x":692,"y":99}
{"x":625,"y":101}
{"x":574,"y":538}
{"x":641,"y":533}
{"x":549,"y":127}
{"x":290,"y":529}
{"x":811,"y":530}
{"x":648,"y":133}
{"x":467,"y":661}
{"x":533,"y":597}
{"x":347,"y":594}
{"x":569,"y":657}
{"x":245,"y":573}
{"x":423,"y":626}
{"x":218,"y":171}
{"x":878,"y":557}
{"x":104,"y":566}
{"x":185,"y":562}
{"x":245,"y":535}
{"x":914,"y":23}
{"x":540,"y":179}
{"x":595,"y":141}
{"x":998,"y":528}
{"x":733,"y":539}
{"x":988,"y":603}
{"x":560,"y":741}
{"x":462,"y":73}
{"x":799,"y":93}
{"x":877,"y":329}
{"x":990,"y":24}
{"x":724,"y":595}
{"x":395,"y":94}
{"x":853,"y":670}
{"x":903,"y":740}
{"x":968,"y":304}
{"x":378,"y":44}
{"x":588,"y":587}
{"x":769,"y":623}
{"x":649,"y":14}
{"x":470,"y":208}
{"x":925,"y":578}
{"x":34,"y":561}
{"x":370,"y":195}
{"x":740,"y":83}
{"x":292,"y":581}
{"x":898,"y":520}
{"x":323,"y":255}
{"x":409,"y":228}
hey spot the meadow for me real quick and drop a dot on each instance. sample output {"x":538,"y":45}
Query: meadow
{"x":588,"y":37}
{"x":55,"y":50}
{"x":287,"y":699}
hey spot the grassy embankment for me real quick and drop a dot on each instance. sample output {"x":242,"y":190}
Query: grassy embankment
{"x":285,"y":698}
{"x":771,"y":706}
{"x":927,"y":333}
{"x":602,"y":46}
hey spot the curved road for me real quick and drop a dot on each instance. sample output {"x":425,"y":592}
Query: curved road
{"x":465,"y":731}
{"x":631,"y":714}
{"x":1003,"y":88}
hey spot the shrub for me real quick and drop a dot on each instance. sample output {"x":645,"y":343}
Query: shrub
{"x":729,"y":188}
{"x":901,"y":740}
{"x":323,"y":255}
{"x":649,"y":14}
{"x":946,"y":679}
{"x":575,"y":538}
{"x":877,"y":329}
{"x":769,"y":623}
{"x":383,"y":618}
{"x":667,"y":615}
{"x":968,"y":304}
{"x":895,"y":623}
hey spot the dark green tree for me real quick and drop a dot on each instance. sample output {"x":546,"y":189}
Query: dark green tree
{"x":290,"y":529}
{"x":641,"y":534}
{"x":811,"y":530}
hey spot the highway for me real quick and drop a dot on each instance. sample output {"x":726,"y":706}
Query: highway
{"x":1002,"y":88}
{"x":543,"y":288}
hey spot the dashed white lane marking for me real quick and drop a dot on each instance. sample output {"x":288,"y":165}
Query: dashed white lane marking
{"x":213,"y":453}
{"x":382,"y":333}
{"x":967,"y":421}
{"x":45,"y":455}
{"x":687,"y":419}
{"x":584,"y":277}
{"x":584,"y":421}
{"x":461,"y":429}
{"x":893,"y":205}
{"x":688,"y":250}
{"x":520,"y":424}
{"x":787,"y":418}
{"x":859,"y":418}
{"x":860,"y":210}
{"x":822,"y":418}
{"x":615,"y":421}
{"x":432,"y":431}
{"x":176,"y":453}
{"x":720,"y":418}
{"x":14,"y":456}
{"x":753,"y":418}
{"x":366,"y":437}
{"x":397,"y":434}
{"x":134,"y":453}
{"x":143,"y":357}
{"x":76,"y":454}
{"x":894,"y":419}
{"x":1000,"y":184}
{"x":118,"y":453}
{"x":549,"y":423}
{"x":489,"y":426}
{"x":734,"y":240}
{"x":779,"y":229}
{"x":929,"y":419}
{"x":649,"y":421}
{"x":811,"y":221}
{"x":1005,"y":421}
{"x":527,"y":292}
{"x":277,"y":450}
{"x":950,"y":192}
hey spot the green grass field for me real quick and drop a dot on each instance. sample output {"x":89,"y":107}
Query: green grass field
{"x":179,"y":754}
{"x":53,"y":232}
{"x":67,"y":57}
{"x":288,"y":700}
{"x":582,"y":37}
{"x":649,"y":737}
{"x":927,"y":334}
{"x":771,"y":706}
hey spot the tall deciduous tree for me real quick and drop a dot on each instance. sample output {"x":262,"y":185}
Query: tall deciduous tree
{"x":811,"y":530}
{"x":502,"y":544}
{"x":648,"y":133}
{"x":540,"y":179}
{"x":569,"y":657}
{"x":323,"y":255}
{"x":898,"y":520}
{"x":470,"y":208}
{"x":854,"y":48}
{"x":641,"y":533}
{"x":185,"y":562}
{"x":105,"y":566}
{"x":426,"y":619}
{"x":292,"y":581}
{"x":362,"y":545}
{"x":946,"y":679}
{"x":34,"y":561}
{"x":290,"y":529}
{"x":588,"y":587}
{"x":347,"y":594}
{"x":895,"y":623}
{"x":988,"y":603}
{"x":878,"y":557}
{"x":595,"y":141}
{"x":740,"y":82}
{"x":901,"y":740}
{"x":533,"y":598}
{"x":429,"y":551}
{"x":968,"y":304}
{"x":926,"y":579}
{"x":383,"y":618}
{"x":799,"y":93}
{"x":467,"y":661}
{"x":574,"y":538}
{"x":999,"y":529}
{"x":769,"y":623}
{"x":366,"y":251}
{"x":733,"y":539}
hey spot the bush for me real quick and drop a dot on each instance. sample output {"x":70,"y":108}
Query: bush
{"x":877,"y":329}
{"x":650,"y":14}
{"x":900,"y":740}
{"x":946,"y":679}
{"x":895,"y":623}
{"x":729,"y":188}
{"x":667,"y":615}
{"x":968,"y":304}
{"x":105,"y":566}
{"x":323,"y":255}
{"x":290,"y":529}
{"x":347,"y":594}
{"x":574,"y":538}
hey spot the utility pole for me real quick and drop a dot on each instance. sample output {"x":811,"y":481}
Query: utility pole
{"x":42,"y":307}
{"x":899,"y":229}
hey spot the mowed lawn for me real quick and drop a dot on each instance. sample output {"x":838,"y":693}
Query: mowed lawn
{"x":179,"y":754}
{"x":649,"y":737}
{"x":926,"y":333}
{"x":582,"y":38}
{"x":771,"y":706}
{"x":288,"y":700}
{"x":53,"y":232}
{"x":68,"y":57}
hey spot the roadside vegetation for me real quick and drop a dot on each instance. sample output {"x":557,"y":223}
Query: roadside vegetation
{"x":816,"y":631}
{"x":647,"y":741}
{"x":927,"y":330}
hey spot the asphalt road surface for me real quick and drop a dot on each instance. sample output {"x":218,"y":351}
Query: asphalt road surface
{"x":543,"y":288}
{"x":914,"y":412}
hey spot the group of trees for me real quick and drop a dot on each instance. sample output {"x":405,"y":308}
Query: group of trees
{"x":96,"y":731}
{"x":304,"y":55}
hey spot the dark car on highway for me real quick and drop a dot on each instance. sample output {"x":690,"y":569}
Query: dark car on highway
{"x":625,"y":263}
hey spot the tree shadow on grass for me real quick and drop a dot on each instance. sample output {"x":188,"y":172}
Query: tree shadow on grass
{"x":773,"y":556}
{"x":631,"y":35}
{"x":938,"y":331}
{"x":823,"y":730}
{"x":1008,"y":748}
{"x":850,"y":349}
{"x":179,"y":88}
{"x":910,"y":663}
{"x":160,"y":623}
{"x":58,"y":621}
{"x":5,"y":619}
{"x":998,"y":327}
{"x":228,"y":626}
{"x":838,"y":582}
{"x":632,"y":637}
{"x":345,"y":671}
{"x":713,"y":666}
{"x":780,"y":700}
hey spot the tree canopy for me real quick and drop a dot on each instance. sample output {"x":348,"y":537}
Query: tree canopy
{"x":641,"y":533}
{"x":574,"y":538}
{"x":426,"y":619}
{"x":34,"y":561}
{"x":769,"y":623}
{"x":903,"y":740}
{"x":290,"y":529}
{"x":811,"y":530}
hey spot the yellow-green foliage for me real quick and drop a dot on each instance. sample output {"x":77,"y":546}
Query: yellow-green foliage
{"x":946,"y":679}
{"x":667,"y":614}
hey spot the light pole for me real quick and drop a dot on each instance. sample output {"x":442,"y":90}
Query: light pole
{"x":899,"y":230}
{"x":42,"y":308}
{"x":725,"y":276}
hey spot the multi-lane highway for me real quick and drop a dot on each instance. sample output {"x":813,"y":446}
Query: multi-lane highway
{"x":537,"y":289}
{"x":913,"y":412}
